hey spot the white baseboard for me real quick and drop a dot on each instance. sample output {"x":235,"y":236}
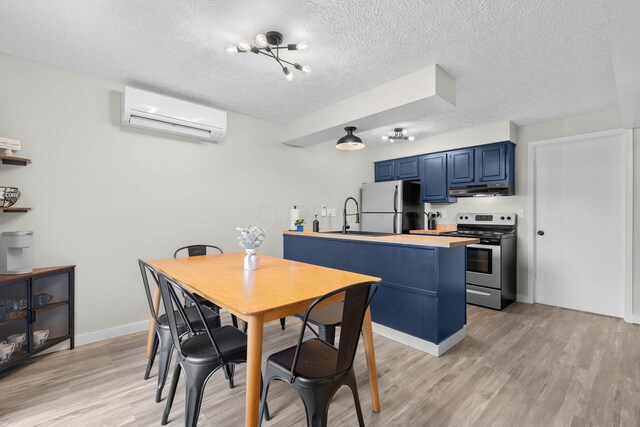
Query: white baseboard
{"x":417,"y":343}
{"x":524,"y":298}
{"x":105,"y":334}
{"x":634,"y":318}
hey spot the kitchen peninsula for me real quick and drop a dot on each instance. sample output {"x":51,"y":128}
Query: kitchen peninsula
{"x":422,"y":297}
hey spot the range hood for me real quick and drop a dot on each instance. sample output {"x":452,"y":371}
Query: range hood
{"x":483,"y":190}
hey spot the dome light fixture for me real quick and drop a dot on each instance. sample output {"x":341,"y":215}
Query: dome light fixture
{"x":267,"y":44}
{"x":398,"y":133}
{"x":350,"y":142}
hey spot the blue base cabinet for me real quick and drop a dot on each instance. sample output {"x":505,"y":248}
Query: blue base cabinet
{"x":422,"y":293}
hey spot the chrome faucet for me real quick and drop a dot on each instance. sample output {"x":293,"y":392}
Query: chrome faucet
{"x":345,"y":225}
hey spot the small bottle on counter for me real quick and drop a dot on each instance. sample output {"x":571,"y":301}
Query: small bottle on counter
{"x":316,"y":225}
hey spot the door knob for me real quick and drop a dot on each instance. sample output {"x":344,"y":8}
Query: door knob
{"x":540,"y":233}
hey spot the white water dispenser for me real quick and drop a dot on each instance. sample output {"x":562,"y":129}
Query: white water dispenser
{"x":16,"y":256}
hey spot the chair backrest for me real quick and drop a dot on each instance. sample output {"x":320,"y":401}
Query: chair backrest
{"x":196,"y":250}
{"x":146,"y":270}
{"x":356,"y":301}
{"x":176,"y":314}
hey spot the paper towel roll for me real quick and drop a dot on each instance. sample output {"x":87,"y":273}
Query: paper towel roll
{"x":295,"y":215}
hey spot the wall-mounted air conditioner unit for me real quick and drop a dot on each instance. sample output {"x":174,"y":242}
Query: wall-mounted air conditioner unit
{"x":147,"y":110}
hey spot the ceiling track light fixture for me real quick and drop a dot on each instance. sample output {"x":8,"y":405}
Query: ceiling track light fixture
{"x":398,"y":133}
{"x":350,"y":141}
{"x":267,"y":44}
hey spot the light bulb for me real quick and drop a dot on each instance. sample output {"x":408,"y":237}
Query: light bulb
{"x":287,"y":74}
{"x":411,"y":138}
{"x":302,"y":46}
{"x":404,"y":131}
{"x":261,"y":40}
{"x":243,"y":46}
{"x":232,"y":49}
{"x":306,"y":69}
{"x":392,"y":140}
{"x":385,"y":137}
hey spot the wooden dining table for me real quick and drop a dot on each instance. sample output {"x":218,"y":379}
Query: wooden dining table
{"x":278,"y":288}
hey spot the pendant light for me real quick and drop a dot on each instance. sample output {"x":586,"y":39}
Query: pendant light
{"x":350,"y":141}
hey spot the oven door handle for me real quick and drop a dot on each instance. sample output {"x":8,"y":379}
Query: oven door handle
{"x":473,"y":291}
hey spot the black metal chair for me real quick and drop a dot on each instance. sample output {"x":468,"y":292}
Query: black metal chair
{"x":326,"y":318}
{"x":162,"y":339}
{"x":199,"y":355}
{"x":200,"y":250}
{"x":316,"y":369}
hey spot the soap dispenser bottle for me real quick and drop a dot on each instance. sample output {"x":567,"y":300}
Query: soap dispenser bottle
{"x":316,"y":225}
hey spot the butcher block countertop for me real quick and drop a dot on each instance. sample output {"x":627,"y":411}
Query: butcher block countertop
{"x":396,"y":239}
{"x":440,"y":228}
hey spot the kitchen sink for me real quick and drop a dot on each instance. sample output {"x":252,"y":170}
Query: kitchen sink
{"x":359,"y":233}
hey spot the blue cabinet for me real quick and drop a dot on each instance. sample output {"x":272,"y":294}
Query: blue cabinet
{"x":434,"y":181}
{"x":408,"y":168}
{"x":423,"y":289}
{"x":461,"y":166}
{"x":405,"y":169}
{"x":384,"y":171}
{"x":494,"y":162}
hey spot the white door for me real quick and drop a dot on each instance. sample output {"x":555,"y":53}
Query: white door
{"x":580,"y":219}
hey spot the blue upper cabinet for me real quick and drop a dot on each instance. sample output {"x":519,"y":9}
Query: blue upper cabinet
{"x":384,"y":171}
{"x":494,"y":162}
{"x":433,"y":180}
{"x":405,"y":169}
{"x":461,"y":166}
{"x":408,"y":168}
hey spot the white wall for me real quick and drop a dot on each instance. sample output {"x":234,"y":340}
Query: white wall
{"x":501,"y":131}
{"x":103,"y":196}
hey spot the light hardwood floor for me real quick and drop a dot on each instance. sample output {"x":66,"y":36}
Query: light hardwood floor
{"x":530,"y":365}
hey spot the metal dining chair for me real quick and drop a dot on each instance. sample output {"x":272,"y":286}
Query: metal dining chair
{"x":201,"y":250}
{"x":316,"y":369}
{"x":326,"y":319}
{"x":162,"y":343}
{"x":199,"y":355}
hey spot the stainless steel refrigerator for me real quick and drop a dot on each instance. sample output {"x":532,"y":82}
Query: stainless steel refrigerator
{"x":392,"y":207}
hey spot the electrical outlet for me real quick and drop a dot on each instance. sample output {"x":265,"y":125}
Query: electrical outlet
{"x":323,"y":212}
{"x":331,"y":211}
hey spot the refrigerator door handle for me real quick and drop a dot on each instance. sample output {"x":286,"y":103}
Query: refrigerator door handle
{"x":395,"y":221}
{"x":395,"y":202}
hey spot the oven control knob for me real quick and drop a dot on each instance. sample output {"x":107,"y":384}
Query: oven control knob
{"x":466,"y":217}
{"x":502,"y":218}
{"x":461,"y":217}
{"x":508,"y":218}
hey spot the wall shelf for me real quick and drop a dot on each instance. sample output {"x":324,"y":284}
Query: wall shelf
{"x":15,"y":210}
{"x":16,"y":161}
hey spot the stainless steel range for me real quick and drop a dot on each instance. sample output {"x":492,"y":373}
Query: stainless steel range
{"x":491,"y":264}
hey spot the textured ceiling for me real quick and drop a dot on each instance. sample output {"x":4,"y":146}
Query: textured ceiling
{"x":526,"y":60}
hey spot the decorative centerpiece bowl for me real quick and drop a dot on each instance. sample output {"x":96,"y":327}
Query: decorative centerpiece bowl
{"x":250,"y":239}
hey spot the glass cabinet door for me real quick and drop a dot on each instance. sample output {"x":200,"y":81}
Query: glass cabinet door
{"x":14,"y":324}
{"x":50,"y":305}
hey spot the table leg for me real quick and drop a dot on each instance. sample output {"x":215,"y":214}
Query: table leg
{"x":367,"y":337}
{"x":254,"y":365}
{"x":152,"y":322}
